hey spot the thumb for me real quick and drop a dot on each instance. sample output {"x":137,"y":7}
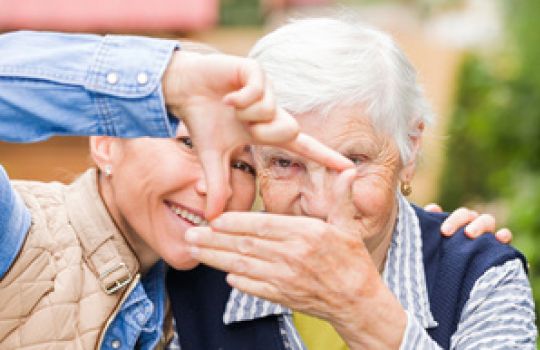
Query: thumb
{"x":216,"y":170}
{"x":343,"y":209}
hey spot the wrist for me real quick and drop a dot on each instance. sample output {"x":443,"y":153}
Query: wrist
{"x":176,"y":81}
{"x":377,"y":322}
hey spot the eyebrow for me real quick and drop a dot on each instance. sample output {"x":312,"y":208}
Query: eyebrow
{"x":358,"y":145}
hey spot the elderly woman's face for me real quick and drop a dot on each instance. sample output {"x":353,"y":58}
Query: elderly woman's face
{"x":294,"y":186}
{"x":159,"y":191}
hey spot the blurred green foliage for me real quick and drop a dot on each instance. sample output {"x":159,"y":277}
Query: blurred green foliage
{"x":240,"y":13}
{"x":494,"y":145}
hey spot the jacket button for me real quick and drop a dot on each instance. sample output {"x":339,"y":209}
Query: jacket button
{"x":115,"y":344}
{"x":112,"y":78}
{"x":142,"y":78}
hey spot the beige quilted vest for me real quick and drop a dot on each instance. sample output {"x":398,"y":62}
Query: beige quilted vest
{"x":72,"y":274}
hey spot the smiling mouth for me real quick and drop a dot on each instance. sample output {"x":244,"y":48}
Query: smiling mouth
{"x":187,"y":215}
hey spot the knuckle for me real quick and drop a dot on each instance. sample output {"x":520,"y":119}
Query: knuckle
{"x":246,"y":245}
{"x":487,"y":219}
{"x":267,"y":111}
{"x":240,"y":265}
{"x":316,"y":228}
{"x":257,"y":90}
{"x":461,"y":212}
{"x":264,"y":227}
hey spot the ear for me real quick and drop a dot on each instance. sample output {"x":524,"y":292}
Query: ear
{"x":415,"y":138}
{"x":102,"y":150}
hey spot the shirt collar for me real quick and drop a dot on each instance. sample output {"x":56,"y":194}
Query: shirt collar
{"x":403,"y":274}
{"x":245,"y":307}
{"x":404,"y":270}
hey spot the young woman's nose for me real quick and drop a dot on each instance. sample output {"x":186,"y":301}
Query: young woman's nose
{"x":201,"y":185}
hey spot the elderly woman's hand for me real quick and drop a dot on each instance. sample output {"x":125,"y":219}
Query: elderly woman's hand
{"x":477,"y":224}
{"x":226,"y":102}
{"x":317,"y":267}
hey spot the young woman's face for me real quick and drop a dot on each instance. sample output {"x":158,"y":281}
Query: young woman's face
{"x":158,"y":191}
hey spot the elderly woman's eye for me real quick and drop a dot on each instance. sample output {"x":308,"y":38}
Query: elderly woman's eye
{"x":357,"y":160}
{"x":186,"y":141}
{"x":282,"y":162}
{"x":243,"y":166}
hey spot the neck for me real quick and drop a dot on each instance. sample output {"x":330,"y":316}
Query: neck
{"x":145,"y":255}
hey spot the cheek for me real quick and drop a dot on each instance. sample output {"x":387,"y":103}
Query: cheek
{"x":243,"y":193}
{"x":373,"y":198}
{"x":278,"y":197}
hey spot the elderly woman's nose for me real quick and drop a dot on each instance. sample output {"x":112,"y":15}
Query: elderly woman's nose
{"x":316,"y":197}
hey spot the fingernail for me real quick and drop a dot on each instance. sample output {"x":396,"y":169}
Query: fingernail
{"x":470,"y":230}
{"x":194,"y":251}
{"x":504,"y":236}
{"x":216,"y":223}
{"x":445,"y":228}
{"x":192,"y":235}
{"x":231,"y":279}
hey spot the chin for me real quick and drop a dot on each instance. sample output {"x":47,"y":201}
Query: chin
{"x":185,"y":264}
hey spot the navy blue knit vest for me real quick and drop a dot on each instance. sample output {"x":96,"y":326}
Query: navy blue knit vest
{"x":452,"y":265}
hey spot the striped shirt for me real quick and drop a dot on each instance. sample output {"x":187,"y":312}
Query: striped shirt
{"x":498,"y":315}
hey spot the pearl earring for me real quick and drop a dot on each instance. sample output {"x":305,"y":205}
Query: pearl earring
{"x":108,"y":170}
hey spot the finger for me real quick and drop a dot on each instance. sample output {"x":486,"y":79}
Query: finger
{"x":205,"y":237}
{"x":343,"y":210}
{"x":261,"y":111}
{"x":261,"y":289}
{"x":262,"y":225}
{"x":309,"y":147}
{"x":433,"y":207}
{"x":216,"y":170}
{"x":252,"y":81}
{"x":232,"y":262}
{"x":483,"y":224}
{"x":504,"y":235}
{"x":460,"y":217}
{"x":282,"y":129}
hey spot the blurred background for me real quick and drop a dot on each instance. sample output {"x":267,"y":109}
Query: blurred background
{"x":477,"y":59}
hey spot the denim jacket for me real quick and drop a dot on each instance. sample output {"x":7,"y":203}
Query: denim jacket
{"x":65,"y":84}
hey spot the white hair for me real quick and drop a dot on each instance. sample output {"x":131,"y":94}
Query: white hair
{"x":318,"y":64}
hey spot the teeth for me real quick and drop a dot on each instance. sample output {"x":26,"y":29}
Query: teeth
{"x":194,"y":218}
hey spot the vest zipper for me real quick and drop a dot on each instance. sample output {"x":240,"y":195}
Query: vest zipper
{"x":127,"y":292}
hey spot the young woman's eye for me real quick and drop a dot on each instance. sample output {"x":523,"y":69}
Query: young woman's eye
{"x":186,"y":141}
{"x":245,"y":167}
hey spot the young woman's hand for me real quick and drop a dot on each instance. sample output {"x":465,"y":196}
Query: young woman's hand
{"x":226,"y":101}
{"x":476,"y":224}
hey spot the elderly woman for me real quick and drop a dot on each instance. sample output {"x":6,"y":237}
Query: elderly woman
{"x":349,"y":248}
